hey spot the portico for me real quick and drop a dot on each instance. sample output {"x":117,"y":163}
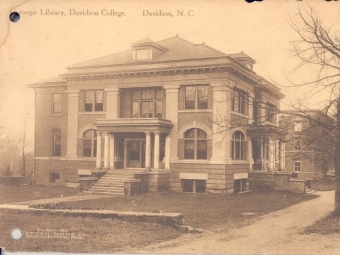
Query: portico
{"x":267,"y":147}
{"x":138,"y":143}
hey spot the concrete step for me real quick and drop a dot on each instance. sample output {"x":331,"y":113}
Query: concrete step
{"x":106,"y":188}
{"x":105,"y":193}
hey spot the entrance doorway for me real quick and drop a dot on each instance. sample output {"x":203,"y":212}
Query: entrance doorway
{"x":135,"y":154}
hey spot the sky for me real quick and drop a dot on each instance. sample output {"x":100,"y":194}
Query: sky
{"x":42,"y":46}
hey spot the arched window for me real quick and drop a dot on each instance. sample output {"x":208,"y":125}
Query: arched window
{"x":238,"y":146}
{"x":89,"y":143}
{"x":195,"y":144}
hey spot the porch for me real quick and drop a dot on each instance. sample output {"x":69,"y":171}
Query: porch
{"x":267,"y":147}
{"x":133,"y":143}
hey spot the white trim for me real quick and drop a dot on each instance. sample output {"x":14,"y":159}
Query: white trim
{"x":240,"y":114}
{"x":238,"y":176}
{"x":92,"y":113}
{"x":191,"y":161}
{"x":84,"y":129}
{"x":195,"y":124}
{"x":193,"y":176}
{"x":195,"y":110}
{"x":84,"y":172}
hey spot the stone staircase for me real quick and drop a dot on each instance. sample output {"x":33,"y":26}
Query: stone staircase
{"x":112,"y":183}
{"x":27,"y":180}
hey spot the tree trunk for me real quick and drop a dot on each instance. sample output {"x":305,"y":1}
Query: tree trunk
{"x":337,"y":162}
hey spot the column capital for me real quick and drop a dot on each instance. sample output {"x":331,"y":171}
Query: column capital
{"x":99,"y":132}
{"x":73,"y":93}
{"x":171,"y":88}
{"x":112,"y":89}
{"x":105,"y":133}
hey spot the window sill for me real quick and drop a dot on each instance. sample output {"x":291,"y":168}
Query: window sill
{"x":190,"y":161}
{"x":240,"y":161}
{"x":196,"y":110}
{"x":56,"y":114}
{"x":91,"y":112}
{"x":240,"y":114}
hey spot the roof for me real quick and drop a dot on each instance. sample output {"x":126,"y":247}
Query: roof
{"x":176,"y":49}
{"x":241,"y":55}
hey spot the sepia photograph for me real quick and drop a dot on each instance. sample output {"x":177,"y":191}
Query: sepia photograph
{"x":170,"y":127}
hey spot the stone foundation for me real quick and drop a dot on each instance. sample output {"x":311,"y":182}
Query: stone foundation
{"x":281,"y":181}
{"x":159,"y":180}
{"x":261,"y":180}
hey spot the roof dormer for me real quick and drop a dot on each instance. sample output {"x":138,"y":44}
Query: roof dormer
{"x":146,"y":50}
{"x":243,"y":59}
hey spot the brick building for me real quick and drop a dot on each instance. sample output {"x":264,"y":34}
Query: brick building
{"x":309,"y":142}
{"x":185,"y":116}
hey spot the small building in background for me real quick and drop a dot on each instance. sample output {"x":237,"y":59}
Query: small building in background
{"x":309,"y":142}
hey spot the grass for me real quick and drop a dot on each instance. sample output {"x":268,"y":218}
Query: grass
{"x":323,"y":184}
{"x":10,"y":194}
{"x":217,"y":212}
{"x":200,"y":210}
{"x":95,"y":234}
{"x":327,"y":225}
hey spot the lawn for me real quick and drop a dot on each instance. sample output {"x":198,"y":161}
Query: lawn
{"x":216,"y":212}
{"x":323,"y":184}
{"x":10,"y":194}
{"x":327,"y":225}
{"x":64,"y":233}
{"x":201,"y":210}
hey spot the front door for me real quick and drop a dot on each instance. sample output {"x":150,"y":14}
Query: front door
{"x":135,"y":154}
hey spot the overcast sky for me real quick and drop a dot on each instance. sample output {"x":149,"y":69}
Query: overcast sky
{"x":41,"y":46}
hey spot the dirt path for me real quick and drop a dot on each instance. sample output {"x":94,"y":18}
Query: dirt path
{"x":274,"y":233}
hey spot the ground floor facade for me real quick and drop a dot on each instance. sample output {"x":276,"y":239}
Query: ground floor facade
{"x":146,"y":149}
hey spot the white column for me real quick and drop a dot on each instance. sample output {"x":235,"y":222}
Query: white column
{"x":250,"y":153}
{"x":106,"y":150}
{"x":99,"y":150}
{"x":112,"y":151}
{"x":156,"y":152}
{"x":112,"y":103}
{"x":264,"y":153}
{"x":221,"y":123}
{"x":148,"y":150}
{"x":282,"y":156}
{"x":167,"y":152}
{"x":172,"y":115}
{"x":271,"y":155}
{"x":250,"y":108}
{"x":72,"y":124}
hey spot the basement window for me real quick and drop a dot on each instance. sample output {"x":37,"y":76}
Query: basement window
{"x":53,"y":177}
{"x":240,"y":185}
{"x":194,"y":186}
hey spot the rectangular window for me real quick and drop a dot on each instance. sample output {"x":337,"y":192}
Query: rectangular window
{"x":297,"y":144}
{"x":270,"y":113}
{"x":196,"y":97}
{"x":194,"y":186}
{"x":56,"y":143}
{"x":297,"y":166}
{"x":93,"y":100}
{"x":142,"y":54}
{"x":147,"y":103}
{"x":57,"y":103}
{"x":240,"y":101}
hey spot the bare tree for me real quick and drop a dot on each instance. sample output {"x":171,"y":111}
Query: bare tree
{"x":318,"y":45}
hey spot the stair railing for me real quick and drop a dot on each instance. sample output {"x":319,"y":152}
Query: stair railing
{"x":27,"y":177}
